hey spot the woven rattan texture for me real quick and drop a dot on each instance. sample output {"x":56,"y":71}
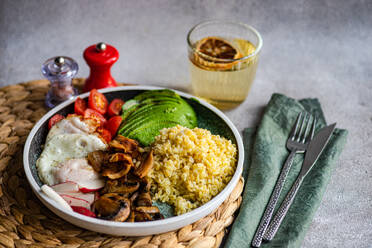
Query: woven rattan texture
{"x":25,"y":222}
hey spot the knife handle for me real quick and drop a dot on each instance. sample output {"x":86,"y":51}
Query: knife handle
{"x":282,"y":211}
{"x":265,"y":220}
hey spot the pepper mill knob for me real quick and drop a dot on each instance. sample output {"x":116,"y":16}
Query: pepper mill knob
{"x":100,"y":57}
{"x":59,"y":71}
{"x":101,"y":47}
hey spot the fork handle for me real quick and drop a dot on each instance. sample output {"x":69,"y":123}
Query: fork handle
{"x":282,"y":211}
{"x":265,"y":220}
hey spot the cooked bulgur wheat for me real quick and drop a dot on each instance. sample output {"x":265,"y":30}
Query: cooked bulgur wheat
{"x":190,"y":167}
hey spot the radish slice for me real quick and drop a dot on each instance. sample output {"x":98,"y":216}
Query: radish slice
{"x":85,"y":190}
{"x":83,"y":211}
{"x":91,"y":185}
{"x":55,"y":196}
{"x":73,"y":201}
{"x":66,"y":187}
{"x":89,"y":197}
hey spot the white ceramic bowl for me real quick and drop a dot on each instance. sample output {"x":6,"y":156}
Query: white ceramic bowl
{"x":33,"y":148}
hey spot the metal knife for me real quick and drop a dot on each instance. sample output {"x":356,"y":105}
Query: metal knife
{"x":315,"y":148}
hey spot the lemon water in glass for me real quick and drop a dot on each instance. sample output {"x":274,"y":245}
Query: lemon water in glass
{"x":223,"y":61}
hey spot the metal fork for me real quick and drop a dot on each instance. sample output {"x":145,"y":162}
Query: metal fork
{"x":297,"y":142}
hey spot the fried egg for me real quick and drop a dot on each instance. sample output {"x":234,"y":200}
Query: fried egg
{"x":72,"y":124}
{"x":63,"y":147}
{"x":76,"y":170}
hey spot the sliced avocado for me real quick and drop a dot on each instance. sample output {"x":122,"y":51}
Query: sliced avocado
{"x":156,"y":94}
{"x":147,"y":133}
{"x":132,"y":125}
{"x":128,"y":107}
{"x":149,"y":112}
{"x":150,"y":108}
{"x":161,"y":99}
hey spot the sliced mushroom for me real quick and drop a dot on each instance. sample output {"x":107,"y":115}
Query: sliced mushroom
{"x":131,"y":217}
{"x":145,"y":166}
{"x":116,"y":170}
{"x":121,"y":186}
{"x":133,"y":197}
{"x":140,"y":216}
{"x":116,"y":145}
{"x":149,"y":210}
{"x":145,"y":185}
{"x":144,"y":199}
{"x":112,"y":207}
{"x":96,"y":159}
{"x":119,"y":157}
{"x":124,"y":144}
{"x":137,"y":155}
{"x":130,"y":144}
{"x":158,"y":216}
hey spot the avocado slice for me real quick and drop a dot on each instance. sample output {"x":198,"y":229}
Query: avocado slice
{"x":152,"y":114}
{"x":149,"y":112}
{"x":128,"y":107}
{"x":147,"y":133}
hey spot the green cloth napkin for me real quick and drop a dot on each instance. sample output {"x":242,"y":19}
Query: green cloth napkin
{"x":265,"y":153}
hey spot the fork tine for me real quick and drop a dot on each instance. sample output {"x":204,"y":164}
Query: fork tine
{"x":301,"y":128}
{"x":294,"y":128}
{"x":306,"y":133}
{"x":311,"y":135}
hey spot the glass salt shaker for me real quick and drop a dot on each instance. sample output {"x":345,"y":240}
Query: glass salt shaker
{"x":60,"y":71}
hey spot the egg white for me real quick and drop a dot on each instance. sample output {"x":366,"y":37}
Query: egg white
{"x":74,"y":124}
{"x":62,"y":147}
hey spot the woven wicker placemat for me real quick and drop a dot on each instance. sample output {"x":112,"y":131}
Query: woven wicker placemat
{"x":25,"y":222}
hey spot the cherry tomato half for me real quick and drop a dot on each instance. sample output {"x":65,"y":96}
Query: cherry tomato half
{"x":106,"y":135}
{"x":113,"y":124}
{"x":56,"y":118}
{"x":92,"y":114}
{"x":115,"y":107}
{"x":80,"y":106}
{"x":97,"y":101}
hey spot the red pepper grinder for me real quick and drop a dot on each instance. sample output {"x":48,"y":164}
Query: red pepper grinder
{"x":100,"y":58}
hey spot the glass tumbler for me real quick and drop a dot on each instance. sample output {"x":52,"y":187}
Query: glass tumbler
{"x":223,"y":59}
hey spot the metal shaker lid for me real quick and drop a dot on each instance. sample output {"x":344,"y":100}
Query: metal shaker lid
{"x":60,"y":67}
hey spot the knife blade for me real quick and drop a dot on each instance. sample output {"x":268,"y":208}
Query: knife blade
{"x":315,"y":148}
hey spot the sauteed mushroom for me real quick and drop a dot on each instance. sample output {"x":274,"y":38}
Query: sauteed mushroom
{"x":116,"y":170}
{"x":144,"y":199}
{"x":149,"y":210}
{"x":121,"y":186}
{"x":96,"y":159}
{"x":133,"y":197}
{"x":145,"y":185}
{"x":124,"y":144}
{"x":146,"y":166}
{"x":158,"y":216}
{"x":112,"y":207}
{"x":140,"y":216}
{"x":131,"y":217}
{"x":126,"y":195}
{"x":120,"y":157}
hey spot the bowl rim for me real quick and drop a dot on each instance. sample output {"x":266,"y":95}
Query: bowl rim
{"x":167,"y":221}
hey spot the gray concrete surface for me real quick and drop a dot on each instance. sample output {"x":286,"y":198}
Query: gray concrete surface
{"x":311,"y":49}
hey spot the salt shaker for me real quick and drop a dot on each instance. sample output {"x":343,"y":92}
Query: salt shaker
{"x":100,"y":57}
{"x":60,"y":71}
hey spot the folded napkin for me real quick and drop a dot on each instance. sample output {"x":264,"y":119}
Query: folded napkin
{"x":265,"y":153}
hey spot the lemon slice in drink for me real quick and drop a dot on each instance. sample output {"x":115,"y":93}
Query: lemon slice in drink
{"x":211,"y":51}
{"x":217,"y":48}
{"x":245,"y":47}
